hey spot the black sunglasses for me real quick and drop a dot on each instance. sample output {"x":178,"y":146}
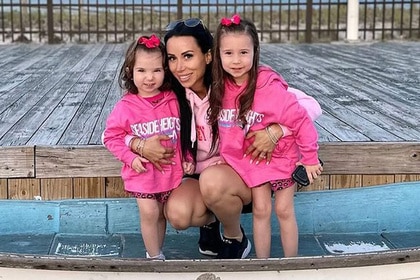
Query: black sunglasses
{"x":191,"y":22}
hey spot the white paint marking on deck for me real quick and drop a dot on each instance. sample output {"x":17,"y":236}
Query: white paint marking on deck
{"x":355,"y":247}
{"x":87,"y":249}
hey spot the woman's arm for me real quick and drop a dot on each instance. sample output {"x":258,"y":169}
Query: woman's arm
{"x":263,"y":146}
{"x":153,"y":150}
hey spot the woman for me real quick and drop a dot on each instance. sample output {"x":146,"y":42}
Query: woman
{"x":188,"y":44}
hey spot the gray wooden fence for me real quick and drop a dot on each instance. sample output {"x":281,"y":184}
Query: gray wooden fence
{"x":85,"y":21}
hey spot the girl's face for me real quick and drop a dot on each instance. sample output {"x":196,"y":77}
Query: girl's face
{"x":236,"y":54}
{"x":187,"y":62}
{"x":148,"y":72}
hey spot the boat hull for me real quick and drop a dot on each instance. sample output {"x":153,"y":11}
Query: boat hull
{"x":362,"y":232}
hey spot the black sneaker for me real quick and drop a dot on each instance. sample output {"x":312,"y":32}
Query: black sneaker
{"x":210,"y":240}
{"x":233,"y":249}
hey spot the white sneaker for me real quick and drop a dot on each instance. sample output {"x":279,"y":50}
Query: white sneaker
{"x":160,"y":257}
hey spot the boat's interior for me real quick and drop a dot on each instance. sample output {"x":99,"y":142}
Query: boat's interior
{"x":334,"y":222}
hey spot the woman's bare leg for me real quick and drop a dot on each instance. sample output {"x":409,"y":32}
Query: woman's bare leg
{"x":185,"y":206}
{"x":225,"y":193}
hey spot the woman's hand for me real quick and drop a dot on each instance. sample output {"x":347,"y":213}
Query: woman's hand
{"x":262,"y":146}
{"x":154,"y":151}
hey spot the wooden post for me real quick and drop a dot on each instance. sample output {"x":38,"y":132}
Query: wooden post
{"x":50,"y":22}
{"x":179,"y":9}
{"x":352,"y":20}
{"x":24,"y":9}
{"x":308,"y":33}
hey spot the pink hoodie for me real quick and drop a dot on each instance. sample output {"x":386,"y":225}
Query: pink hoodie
{"x":272,"y":104}
{"x":202,"y":130}
{"x":134,"y":115}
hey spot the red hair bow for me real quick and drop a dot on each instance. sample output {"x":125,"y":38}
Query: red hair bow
{"x":236,"y":19}
{"x":150,"y":43}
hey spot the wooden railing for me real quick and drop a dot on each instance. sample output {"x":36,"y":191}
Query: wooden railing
{"x":87,"y":21}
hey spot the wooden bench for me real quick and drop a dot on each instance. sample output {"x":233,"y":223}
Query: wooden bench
{"x":55,"y":172}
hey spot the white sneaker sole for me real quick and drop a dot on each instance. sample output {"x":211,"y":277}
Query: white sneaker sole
{"x":207,"y":252}
{"x":247,"y":250}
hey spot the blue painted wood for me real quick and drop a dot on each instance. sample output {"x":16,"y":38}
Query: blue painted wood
{"x":36,"y":217}
{"x":26,"y":243}
{"x":386,"y":208}
{"x":403,"y":239}
{"x":330,"y":222}
{"x":84,"y":217}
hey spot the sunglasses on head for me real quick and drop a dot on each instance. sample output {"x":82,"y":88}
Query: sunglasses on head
{"x":191,"y":22}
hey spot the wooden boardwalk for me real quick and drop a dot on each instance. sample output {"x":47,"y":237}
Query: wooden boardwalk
{"x":55,"y":99}
{"x":61,"y":94}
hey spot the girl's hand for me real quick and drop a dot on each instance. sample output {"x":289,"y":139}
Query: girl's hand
{"x":154,"y":151}
{"x":137,"y":164}
{"x":262,"y":146}
{"x":188,"y":167}
{"x":313,"y":171}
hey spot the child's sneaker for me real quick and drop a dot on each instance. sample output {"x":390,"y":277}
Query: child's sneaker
{"x":160,"y":257}
{"x":210,"y":240}
{"x":233,"y":249}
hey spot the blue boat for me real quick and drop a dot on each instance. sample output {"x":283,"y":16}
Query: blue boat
{"x":357,"y":230}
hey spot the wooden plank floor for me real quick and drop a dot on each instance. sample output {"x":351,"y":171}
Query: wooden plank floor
{"x":61,"y":94}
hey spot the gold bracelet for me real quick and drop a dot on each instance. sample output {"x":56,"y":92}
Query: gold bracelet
{"x":271,"y":135}
{"x":140,"y":146}
{"x":143,"y":142}
{"x":275,"y":137}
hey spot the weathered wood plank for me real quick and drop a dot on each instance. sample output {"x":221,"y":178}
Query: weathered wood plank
{"x":345,"y":181}
{"x":339,"y":158}
{"x":89,"y":187}
{"x":18,"y":108}
{"x":87,"y":57}
{"x":3,"y":188}
{"x":41,"y":112}
{"x":18,"y":54}
{"x":114,"y":93}
{"x":367,"y":91}
{"x":114,"y":187}
{"x":406,"y":178}
{"x":362,"y":80}
{"x":371,"y":157}
{"x":17,"y":162}
{"x":372,"y":180}
{"x":24,"y":188}
{"x":56,"y":188}
{"x":58,"y":121}
{"x":80,"y":129}
{"x":80,"y":161}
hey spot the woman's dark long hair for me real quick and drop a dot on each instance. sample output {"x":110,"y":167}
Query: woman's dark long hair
{"x":204,"y":39}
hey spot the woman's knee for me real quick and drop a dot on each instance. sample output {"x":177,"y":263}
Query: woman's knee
{"x":211,"y":185}
{"x":178,"y":219}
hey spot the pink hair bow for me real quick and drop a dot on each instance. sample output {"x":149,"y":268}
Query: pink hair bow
{"x":236,"y":19}
{"x":150,"y":43}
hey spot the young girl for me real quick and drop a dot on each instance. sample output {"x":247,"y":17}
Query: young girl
{"x":148,"y":108}
{"x":247,"y":97}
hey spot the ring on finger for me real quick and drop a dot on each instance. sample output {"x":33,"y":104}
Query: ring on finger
{"x":262,"y":155}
